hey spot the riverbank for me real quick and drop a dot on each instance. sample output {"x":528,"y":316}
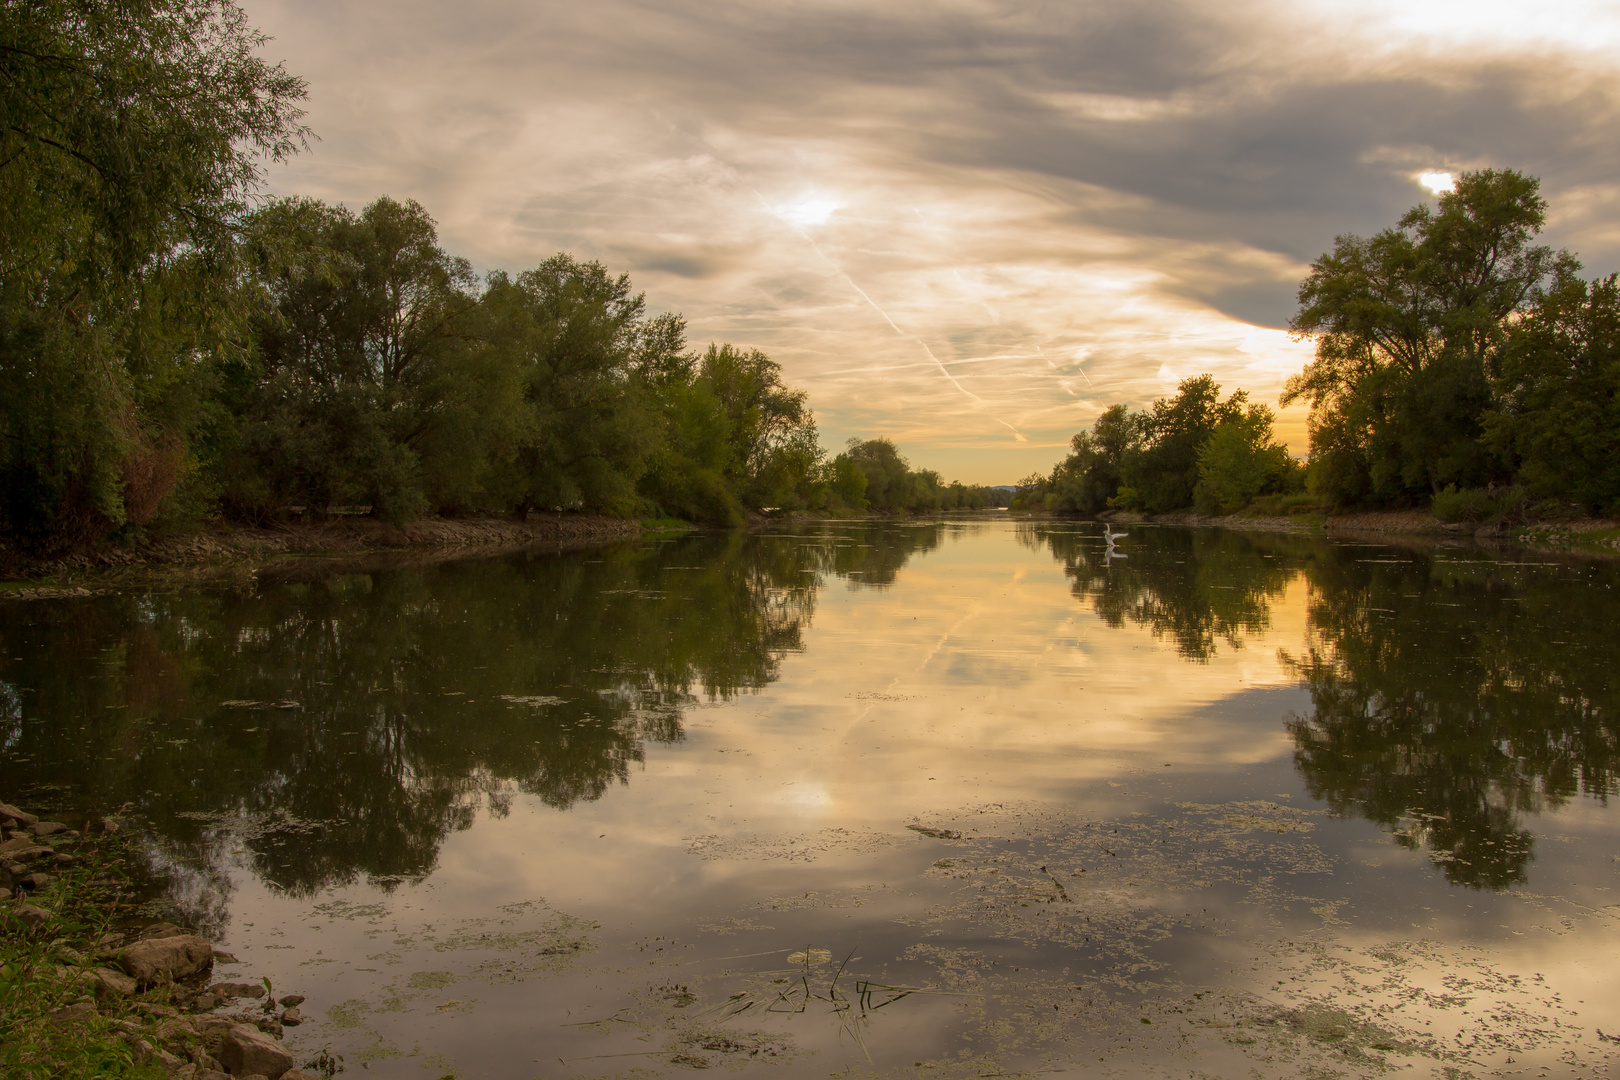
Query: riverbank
{"x":228,"y":549}
{"x":85,"y":993}
{"x":1593,"y":535}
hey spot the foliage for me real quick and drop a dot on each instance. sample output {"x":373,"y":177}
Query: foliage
{"x":1238,"y":461}
{"x":1192,"y":449}
{"x":38,"y":970}
{"x":134,"y":136}
{"x":1408,"y":324}
{"x":1557,"y":418}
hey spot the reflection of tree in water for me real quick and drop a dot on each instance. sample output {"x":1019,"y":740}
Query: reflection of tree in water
{"x":1197,"y":587}
{"x":1453,"y":698}
{"x":870,"y":553}
{"x":370,"y":714}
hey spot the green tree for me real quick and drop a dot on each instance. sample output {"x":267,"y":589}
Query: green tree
{"x":1161,"y":470}
{"x":134,"y":135}
{"x":1407,"y":325}
{"x":1558,"y":395}
{"x":1240,"y":460}
{"x":361,"y":337}
{"x":1084,"y":481}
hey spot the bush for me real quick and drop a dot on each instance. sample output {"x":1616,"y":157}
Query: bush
{"x":1478,"y":504}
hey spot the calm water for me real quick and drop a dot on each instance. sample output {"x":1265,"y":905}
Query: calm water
{"x":930,"y":799}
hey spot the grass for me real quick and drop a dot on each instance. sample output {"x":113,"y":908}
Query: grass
{"x":45,"y":969}
{"x":39,"y":969}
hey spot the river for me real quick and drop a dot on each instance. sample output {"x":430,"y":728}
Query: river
{"x":935,"y":799}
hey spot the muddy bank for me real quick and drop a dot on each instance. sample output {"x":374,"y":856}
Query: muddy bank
{"x":235,"y":550}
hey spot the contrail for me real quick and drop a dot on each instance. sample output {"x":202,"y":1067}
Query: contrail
{"x":943,"y":370}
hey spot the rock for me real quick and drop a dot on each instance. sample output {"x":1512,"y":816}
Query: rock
{"x":152,"y":1008}
{"x":292,"y":1000}
{"x":67,"y":954}
{"x":292,"y":1017}
{"x":47,"y":828}
{"x":270,"y":1026}
{"x":77,"y":1011}
{"x":245,"y":1050}
{"x":29,"y":915}
{"x":165,"y":959}
{"x":298,"y":1074}
{"x":16,"y":869}
{"x":176,"y":1029}
{"x":236,"y":990}
{"x":205,"y":1002}
{"x":23,"y":848}
{"x":62,"y":858}
{"x":36,"y":880}
{"x":214,"y":1074}
{"x":161,"y":930}
{"x":106,"y":983}
{"x":223,"y":957}
{"x":10,"y":811}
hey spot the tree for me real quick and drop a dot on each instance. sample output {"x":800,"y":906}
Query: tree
{"x":1160,"y":471}
{"x":1557,"y":417}
{"x":134,"y":135}
{"x":1240,"y":460}
{"x":1407,"y":325}
{"x":1084,"y":481}
{"x":578,"y":339}
{"x":364,"y":390}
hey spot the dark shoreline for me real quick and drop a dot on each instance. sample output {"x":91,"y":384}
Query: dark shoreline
{"x":245,"y":550}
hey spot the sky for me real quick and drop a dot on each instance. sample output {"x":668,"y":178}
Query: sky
{"x":966,"y":225}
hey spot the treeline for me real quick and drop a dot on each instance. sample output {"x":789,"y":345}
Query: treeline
{"x":173,"y":347}
{"x":1458,"y":366}
{"x":1191,"y":450}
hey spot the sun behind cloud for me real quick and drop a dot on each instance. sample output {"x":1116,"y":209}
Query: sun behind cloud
{"x":1437,"y":182}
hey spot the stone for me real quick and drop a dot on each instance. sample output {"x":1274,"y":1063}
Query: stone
{"x":236,"y":990}
{"x":205,"y":1002}
{"x":64,"y":953}
{"x":165,"y":959}
{"x":47,"y":828}
{"x":176,"y":1029}
{"x":10,"y":811}
{"x":298,"y":1074}
{"x":23,"y":848}
{"x":36,"y":880}
{"x":161,"y":930}
{"x":245,"y":1051}
{"x":78,"y":1011}
{"x":223,"y":957}
{"x":16,"y":869}
{"x":292,"y":1017}
{"x":214,"y":1074}
{"x":29,"y":915}
{"x":107,"y":983}
{"x":292,"y":1000}
{"x":269,"y":1025}
{"x":62,"y":858}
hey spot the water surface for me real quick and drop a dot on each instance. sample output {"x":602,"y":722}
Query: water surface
{"x":959,"y":799}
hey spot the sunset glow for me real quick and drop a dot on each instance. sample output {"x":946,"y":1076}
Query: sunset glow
{"x":855,"y":190}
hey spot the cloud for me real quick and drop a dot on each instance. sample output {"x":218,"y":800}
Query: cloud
{"x":926,"y":210}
